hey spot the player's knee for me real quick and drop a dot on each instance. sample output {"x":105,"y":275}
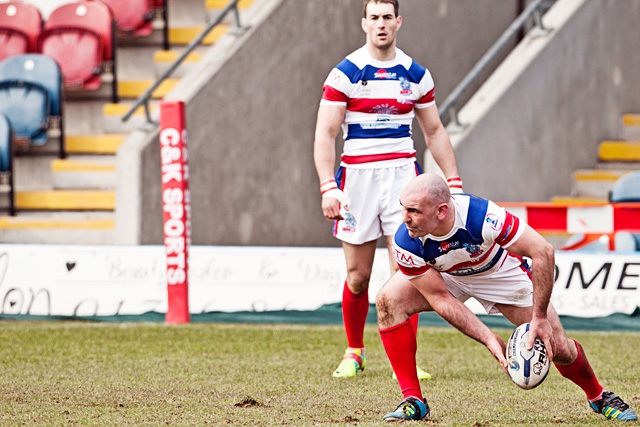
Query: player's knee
{"x":357,"y":282}
{"x":384,"y":308}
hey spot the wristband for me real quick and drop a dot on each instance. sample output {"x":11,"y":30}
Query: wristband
{"x":455,"y":184}
{"x":327,"y":185}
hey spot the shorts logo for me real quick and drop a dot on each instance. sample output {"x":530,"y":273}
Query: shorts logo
{"x":349,"y":223}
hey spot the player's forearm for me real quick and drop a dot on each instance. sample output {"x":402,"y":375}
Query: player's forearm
{"x":440,"y":146}
{"x":542,"y":277}
{"x":324,"y":157}
{"x":458,"y":315}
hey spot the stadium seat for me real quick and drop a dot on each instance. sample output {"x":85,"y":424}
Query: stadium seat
{"x":626,"y":188}
{"x":80,"y":37}
{"x":31,"y":97}
{"x":20,"y":27}
{"x":6,"y":160}
{"x":5,"y":143}
{"x":133,"y":16}
{"x":627,"y":242}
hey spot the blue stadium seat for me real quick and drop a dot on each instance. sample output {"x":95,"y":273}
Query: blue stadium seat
{"x":5,"y":144}
{"x":627,"y":242}
{"x":626,"y":188}
{"x":6,"y":160}
{"x":31,"y":96}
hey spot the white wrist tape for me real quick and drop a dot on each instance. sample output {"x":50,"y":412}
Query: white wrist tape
{"x":339,"y":195}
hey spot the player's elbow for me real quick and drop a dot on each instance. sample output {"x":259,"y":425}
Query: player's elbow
{"x":546,"y":253}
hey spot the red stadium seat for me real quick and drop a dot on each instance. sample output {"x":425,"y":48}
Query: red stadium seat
{"x":79,"y":36}
{"x":20,"y":27}
{"x":133,"y":16}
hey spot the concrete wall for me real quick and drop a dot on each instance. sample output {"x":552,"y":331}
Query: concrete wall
{"x":530,"y":130}
{"x":251,"y":127}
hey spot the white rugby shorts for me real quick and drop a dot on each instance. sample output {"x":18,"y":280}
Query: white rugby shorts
{"x":509,"y":284}
{"x":374,"y":201}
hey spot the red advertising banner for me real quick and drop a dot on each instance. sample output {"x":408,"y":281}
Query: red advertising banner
{"x":176,"y":207}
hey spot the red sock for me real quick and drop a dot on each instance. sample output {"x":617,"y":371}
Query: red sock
{"x":581,"y":373}
{"x":355,"y":309}
{"x":400,"y":344}
{"x":414,"y":319}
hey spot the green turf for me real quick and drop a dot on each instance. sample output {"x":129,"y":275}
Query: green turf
{"x":204,"y":374}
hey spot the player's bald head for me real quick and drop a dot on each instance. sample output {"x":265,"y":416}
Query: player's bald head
{"x":429,"y":187}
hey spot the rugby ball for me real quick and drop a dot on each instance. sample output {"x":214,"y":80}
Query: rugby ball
{"x":527,"y":368}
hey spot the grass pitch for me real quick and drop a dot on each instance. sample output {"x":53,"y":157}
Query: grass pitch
{"x":210,"y":374}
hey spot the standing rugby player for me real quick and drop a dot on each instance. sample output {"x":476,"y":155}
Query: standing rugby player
{"x":373,"y":95}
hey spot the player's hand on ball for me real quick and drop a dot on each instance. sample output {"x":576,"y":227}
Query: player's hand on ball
{"x":541,"y":328}
{"x":497,"y":347}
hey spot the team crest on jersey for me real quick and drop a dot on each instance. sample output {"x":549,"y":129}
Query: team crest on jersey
{"x":405,"y":87}
{"x":384,"y":74}
{"x":348,"y":223}
{"x":474,"y":250}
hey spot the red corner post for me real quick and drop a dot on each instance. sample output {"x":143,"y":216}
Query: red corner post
{"x":176,"y":207}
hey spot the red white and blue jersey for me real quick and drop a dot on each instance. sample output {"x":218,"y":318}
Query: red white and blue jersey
{"x":476,"y":244}
{"x":380,"y":98}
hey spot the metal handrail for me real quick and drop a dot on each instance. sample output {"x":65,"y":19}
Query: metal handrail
{"x":449,"y":105}
{"x":146,"y":97}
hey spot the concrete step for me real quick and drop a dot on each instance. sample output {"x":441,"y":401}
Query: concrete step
{"x":65,"y":200}
{"x":94,"y":144}
{"x":631,"y":166}
{"x":619,"y":151}
{"x":595,"y":183}
{"x":113,"y":114}
{"x":87,"y":228}
{"x":182,"y":36}
{"x":630,"y":127}
{"x":126,"y":89}
{"x":164,"y":59}
{"x":84,"y":172}
{"x":215,"y":7}
{"x":577,"y":201}
{"x":132,"y":89}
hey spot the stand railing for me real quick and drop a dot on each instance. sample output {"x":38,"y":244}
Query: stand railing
{"x":146,"y":96}
{"x":533,"y":9}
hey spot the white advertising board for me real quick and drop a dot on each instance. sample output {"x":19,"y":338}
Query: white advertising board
{"x":118,"y":280}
